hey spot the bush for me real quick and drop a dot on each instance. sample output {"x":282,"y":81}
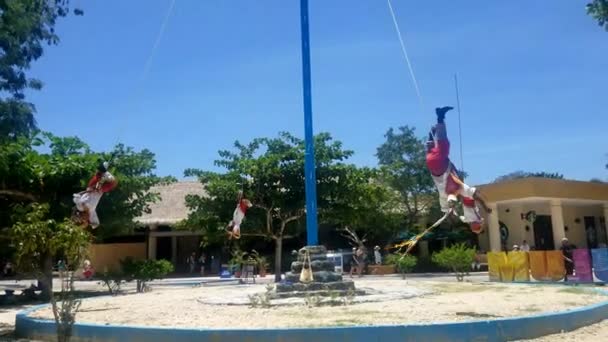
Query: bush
{"x":144,"y":271}
{"x":457,"y":258}
{"x":403,"y":263}
{"x":112,"y":279}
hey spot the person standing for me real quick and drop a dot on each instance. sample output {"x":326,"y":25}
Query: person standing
{"x":567,"y":249}
{"x":191,"y":261}
{"x":377,"y":255}
{"x":201,"y":260}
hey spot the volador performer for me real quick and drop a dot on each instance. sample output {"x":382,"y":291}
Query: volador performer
{"x":86,"y":201}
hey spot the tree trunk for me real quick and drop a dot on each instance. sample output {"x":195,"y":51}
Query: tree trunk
{"x":45,"y":279}
{"x":277,"y":258}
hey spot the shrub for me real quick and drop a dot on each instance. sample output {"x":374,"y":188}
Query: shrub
{"x":112,"y":279}
{"x":144,"y":271}
{"x":403,"y":263}
{"x":457,"y":258}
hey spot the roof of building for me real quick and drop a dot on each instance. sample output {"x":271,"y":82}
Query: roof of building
{"x":171,"y":208}
{"x":535,"y":187}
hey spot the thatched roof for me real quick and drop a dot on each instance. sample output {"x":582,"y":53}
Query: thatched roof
{"x":172,"y":206}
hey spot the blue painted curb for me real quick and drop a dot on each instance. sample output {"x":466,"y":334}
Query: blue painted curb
{"x":487,"y":331}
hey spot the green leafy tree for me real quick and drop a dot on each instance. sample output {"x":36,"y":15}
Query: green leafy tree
{"x":144,"y":271}
{"x":404,"y":263}
{"x":25,"y":27}
{"x":270,"y":171}
{"x":457,"y":258}
{"x":598,"y":9}
{"x":47,"y":170}
{"x":402,"y":159}
{"x":365,"y":205}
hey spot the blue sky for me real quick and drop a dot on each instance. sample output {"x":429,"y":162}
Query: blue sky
{"x":532,"y":78}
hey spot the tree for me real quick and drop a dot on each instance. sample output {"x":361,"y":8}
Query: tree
{"x":45,"y":170}
{"x":144,"y":271}
{"x":457,"y":258}
{"x":523,"y":174}
{"x":402,"y":158}
{"x":598,"y":9}
{"x":270,"y":172}
{"x":25,"y":26}
{"x":363,"y":205}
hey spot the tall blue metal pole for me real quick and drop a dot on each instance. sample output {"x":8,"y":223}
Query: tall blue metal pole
{"x":309,"y":165}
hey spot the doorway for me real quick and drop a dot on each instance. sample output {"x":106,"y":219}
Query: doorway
{"x":163,"y":248}
{"x":543,"y":233}
{"x":590,"y":231}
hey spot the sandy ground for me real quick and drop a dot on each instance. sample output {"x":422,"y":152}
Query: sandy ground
{"x":593,"y":333}
{"x":184,"y":307}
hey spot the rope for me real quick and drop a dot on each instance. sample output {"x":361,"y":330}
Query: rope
{"x":148,"y":64}
{"x":413,"y":241}
{"x":405,"y":54}
{"x":459,"y":124}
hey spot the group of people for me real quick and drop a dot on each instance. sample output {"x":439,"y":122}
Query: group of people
{"x":192,"y":261}
{"x":566,"y":248}
{"x":525,"y":247}
{"x":359,"y":258}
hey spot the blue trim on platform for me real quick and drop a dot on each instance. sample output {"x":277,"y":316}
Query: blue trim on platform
{"x":488,"y":330}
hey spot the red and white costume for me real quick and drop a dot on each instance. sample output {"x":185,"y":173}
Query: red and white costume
{"x":448,"y":183}
{"x":239,"y":215}
{"x":88,"y":200}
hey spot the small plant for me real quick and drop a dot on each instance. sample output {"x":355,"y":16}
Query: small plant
{"x":404,"y":263}
{"x":112,"y":280}
{"x":349,"y":298}
{"x":144,"y":271}
{"x":237,"y":261}
{"x":313,"y":301}
{"x":260,"y":300}
{"x":457,"y":258}
{"x":65,"y":305}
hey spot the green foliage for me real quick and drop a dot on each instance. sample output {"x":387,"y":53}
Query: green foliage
{"x":112,"y":279}
{"x":25,"y":27}
{"x":404,"y":263}
{"x":270,"y":171}
{"x":598,"y":9}
{"x":28,"y":174}
{"x":524,"y":174}
{"x":39,"y":175}
{"x":402,"y":160}
{"x":36,"y":236}
{"x":457,"y":258}
{"x":144,"y":271}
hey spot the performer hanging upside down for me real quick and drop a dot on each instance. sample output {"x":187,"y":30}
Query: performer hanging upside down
{"x":234,"y":226}
{"x":447,"y":180}
{"x":86,"y":201}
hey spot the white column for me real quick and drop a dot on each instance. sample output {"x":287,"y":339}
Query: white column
{"x":152,"y":247}
{"x":557,"y":221}
{"x":494,"y":228}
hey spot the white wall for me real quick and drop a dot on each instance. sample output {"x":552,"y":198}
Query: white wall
{"x":576,"y":231}
{"x":517,"y":233}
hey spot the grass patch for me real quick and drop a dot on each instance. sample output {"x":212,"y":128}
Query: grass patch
{"x":347,"y":322}
{"x":531,"y":308}
{"x":465,"y":288}
{"x":477,"y":315}
{"x":574,"y":290}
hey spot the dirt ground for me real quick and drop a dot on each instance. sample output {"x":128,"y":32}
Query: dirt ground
{"x":443,"y":302}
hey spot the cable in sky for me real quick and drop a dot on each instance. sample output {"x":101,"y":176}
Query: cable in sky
{"x":148,"y":63}
{"x":407,"y":58}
